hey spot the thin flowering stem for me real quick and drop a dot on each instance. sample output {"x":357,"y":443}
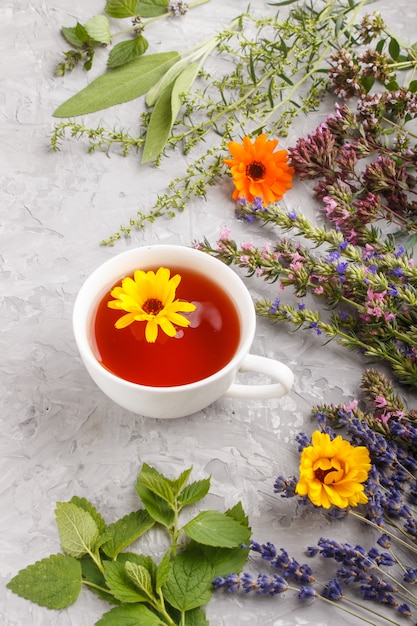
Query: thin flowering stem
{"x":386,"y":531}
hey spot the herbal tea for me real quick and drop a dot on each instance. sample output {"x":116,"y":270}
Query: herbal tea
{"x":196,"y":352}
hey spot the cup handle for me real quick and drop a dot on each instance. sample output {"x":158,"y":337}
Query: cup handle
{"x":281,"y":375}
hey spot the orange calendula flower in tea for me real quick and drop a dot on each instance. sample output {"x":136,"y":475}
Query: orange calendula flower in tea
{"x":332,"y":472}
{"x":150,"y":297}
{"x":258,"y":171}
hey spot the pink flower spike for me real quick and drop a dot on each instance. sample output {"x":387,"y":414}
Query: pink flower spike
{"x":380,"y":402}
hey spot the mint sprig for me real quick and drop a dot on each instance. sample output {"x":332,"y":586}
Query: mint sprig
{"x":97,"y":555}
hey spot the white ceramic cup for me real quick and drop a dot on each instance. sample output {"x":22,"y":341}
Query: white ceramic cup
{"x":182,"y":400}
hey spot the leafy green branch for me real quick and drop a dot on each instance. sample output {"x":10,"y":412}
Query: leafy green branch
{"x":97,"y":555}
{"x":95,"y":32}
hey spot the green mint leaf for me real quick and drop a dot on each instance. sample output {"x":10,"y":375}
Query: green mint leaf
{"x":165,"y":112}
{"x":139,"y":559}
{"x":394,"y":49}
{"x":150,"y":478}
{"x":178,"y":484}
{"x":196,"y":617}
{"x":127,"y":51}
{"x":119,"y":85}
{"x":120,"y":584}
{"x":92,"y":574}
{"x":98,"y":28}
{"x":121,"y":8}
{"x":152,"y":8}
{"x":140,"y":576}
{"x":213,"y":528}
{"x":70,"y":34}
{"x":84,"y":504}
{"x":194,"y":492}
{"x":162,"y":573}
{"x":54,"y":582}
{"x":157,"y":508}
{"x":225,"y":560}
{"x":189,"y":582}
{"x":238,"y":514}
{"x":129,"y":615}
{"x":125,"y":531}
{"x":77,"y":529}
{"x":81,"y":33}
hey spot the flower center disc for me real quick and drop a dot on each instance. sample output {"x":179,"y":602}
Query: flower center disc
{"x":255,"y":170}
{"x":152,"y":306}
{"x":321,"y":474}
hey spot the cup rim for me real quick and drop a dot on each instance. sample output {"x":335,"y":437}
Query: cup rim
{"x":84,"y":305}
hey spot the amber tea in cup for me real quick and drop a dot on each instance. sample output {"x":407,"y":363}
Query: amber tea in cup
{"x":196,"y":352}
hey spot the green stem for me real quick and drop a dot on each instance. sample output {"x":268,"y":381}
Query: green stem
{"x":156,"y":18}
{"x":385,"y":531}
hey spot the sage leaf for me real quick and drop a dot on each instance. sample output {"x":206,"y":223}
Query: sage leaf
{"x":98,"y":28}
{"x":121,"y":8}
{"x":125,"y":531}
{"x":54,"y":582}
{"x":127,"y":51}
{"x":168,"y":78}
{"x":194,"y":492}
{"x":165,"y":112}
{"x":152,"y":8}
{"x":189,"y":582}
{"x":140,"y":576}
{"x":119,"y":85}
{"x":78,"y":531}
{"x":213,"y":528}
{"x":129,"y":615}
{"x":120,"y":584}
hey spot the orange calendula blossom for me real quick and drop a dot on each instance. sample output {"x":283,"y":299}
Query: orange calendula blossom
{"x":150,"y":297}
{"x":258,"y":171}
{"x":332,"y":472}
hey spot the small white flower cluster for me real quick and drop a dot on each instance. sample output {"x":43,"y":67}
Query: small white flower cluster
{"x":178,"y":7}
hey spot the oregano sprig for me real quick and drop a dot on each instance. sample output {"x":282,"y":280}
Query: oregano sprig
{"x":98,"y":555}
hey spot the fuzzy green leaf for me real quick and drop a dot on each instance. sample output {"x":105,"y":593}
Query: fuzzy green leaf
{"x":167,"y":79}
{"x":152,"y":8}
{"x":125,"y":531}
{"x":119,"y":85}
{"x":98,"y":28}
{"x":194,"y":492}
{"x":92,"y":574}
{"x":121,"y":8}
{"x":213,"y":528}
{"x":165,"y":112}
{"x":189,"y":582}
{"x":127,"y":51}
{"x":54,"y":582}
{"x":120,"y":584}
{"x":129,"y":615}
{"x":77,"y":529}
{"x":196,"y":617}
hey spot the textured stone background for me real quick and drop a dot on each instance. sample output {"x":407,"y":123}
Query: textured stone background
{"x":59,"y":435}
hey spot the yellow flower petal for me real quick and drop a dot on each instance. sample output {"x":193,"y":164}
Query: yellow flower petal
{"x":150,"y":297}
{"x":332,"y":472}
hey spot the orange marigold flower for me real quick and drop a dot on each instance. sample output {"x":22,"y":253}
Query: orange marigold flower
{"x":258,"y":171}
{"x":332,"y":472}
